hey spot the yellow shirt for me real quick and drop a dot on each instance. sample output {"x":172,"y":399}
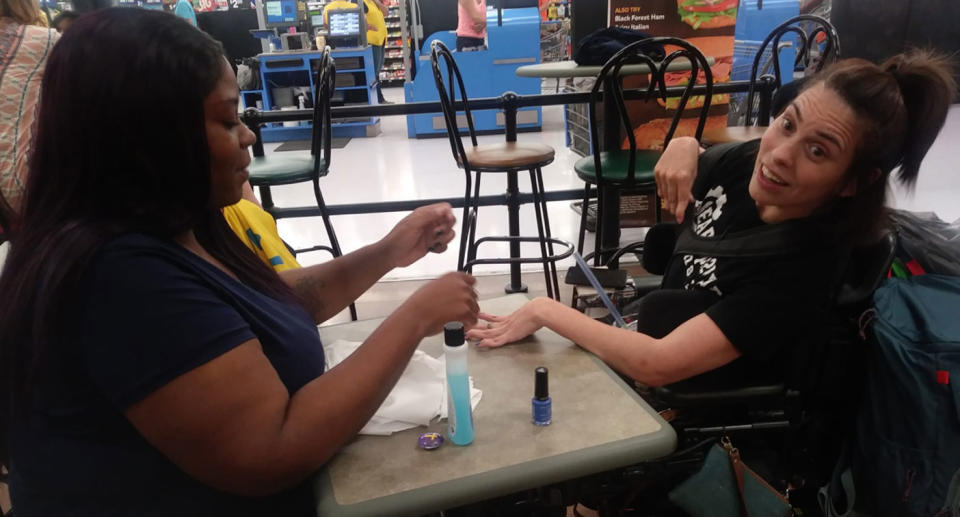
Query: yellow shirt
{"x":376,"y":25}
{"x":257,"y":229}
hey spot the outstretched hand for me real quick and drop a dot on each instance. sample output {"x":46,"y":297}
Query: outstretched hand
{"x":426,"y":229}
{"x":494,"y":331}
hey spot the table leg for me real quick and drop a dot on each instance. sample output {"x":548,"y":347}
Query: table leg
{"x":610,"y":218}
{"x":513,"y":217}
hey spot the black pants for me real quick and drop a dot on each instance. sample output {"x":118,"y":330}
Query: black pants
{"x":467,"y":42}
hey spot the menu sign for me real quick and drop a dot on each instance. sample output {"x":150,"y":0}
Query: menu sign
{"x":708,"y":25}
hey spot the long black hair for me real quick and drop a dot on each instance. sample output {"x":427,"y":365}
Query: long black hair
{"x":120,"y":148}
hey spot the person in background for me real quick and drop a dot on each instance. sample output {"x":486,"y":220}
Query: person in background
{"x":257,"y":229}
{"x":24,"y":46}
{"x":63,"y":20}
{"x":184,"y":375}
{"x":376,"y":31}
{"x":471,"y":24}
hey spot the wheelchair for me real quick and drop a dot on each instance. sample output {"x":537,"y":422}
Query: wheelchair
{"x":789,"y":431}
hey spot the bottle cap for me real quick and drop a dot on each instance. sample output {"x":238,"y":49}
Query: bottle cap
{"x":541,"y":389}
{"x":453,"y":333}
{"x":430,"y":441}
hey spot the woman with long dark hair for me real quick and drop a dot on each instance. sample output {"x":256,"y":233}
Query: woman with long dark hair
{"x":819,"y":173}
{"x":150,"y":363}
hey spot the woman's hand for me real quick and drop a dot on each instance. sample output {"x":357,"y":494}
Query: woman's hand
{"x":428,"y":228}
{"x":448,"y":298}
{"x":500,"y":330}
{"x":675,"y":172}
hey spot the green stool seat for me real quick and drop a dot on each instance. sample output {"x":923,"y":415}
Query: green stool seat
{"x":279,"y":169}
{"x":614,"y":165}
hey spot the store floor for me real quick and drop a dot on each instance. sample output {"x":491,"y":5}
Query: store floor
{"x":392,"y":167}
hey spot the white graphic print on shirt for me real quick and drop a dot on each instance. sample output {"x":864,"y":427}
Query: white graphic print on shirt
{"x":701,"y":272}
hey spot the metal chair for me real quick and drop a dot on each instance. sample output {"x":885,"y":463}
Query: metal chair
{"x":632,"y":168}
{"x":281,"y":169}
{"x":810,"y":56}
{"x":508,"y":157}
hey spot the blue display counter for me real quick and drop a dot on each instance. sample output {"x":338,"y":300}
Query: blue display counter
{"x":284,"y":75}
{"x":486,"y":73}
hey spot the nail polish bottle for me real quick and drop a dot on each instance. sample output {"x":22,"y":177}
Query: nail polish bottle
{"x":541,"y":398}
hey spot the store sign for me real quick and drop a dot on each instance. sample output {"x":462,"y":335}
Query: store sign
{"x":201,"y":6}
{"x":708,"y":25}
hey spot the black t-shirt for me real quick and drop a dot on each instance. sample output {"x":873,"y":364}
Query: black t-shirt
{"x":153,"y":311}
{"x":767,"y":307}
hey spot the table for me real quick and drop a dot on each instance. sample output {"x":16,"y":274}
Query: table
{"x":609,"y":217}
{"x":732,"y":134}
{"x":599,"y":423}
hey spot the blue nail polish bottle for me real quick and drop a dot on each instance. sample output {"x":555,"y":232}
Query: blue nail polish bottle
{"x":542,"y":410}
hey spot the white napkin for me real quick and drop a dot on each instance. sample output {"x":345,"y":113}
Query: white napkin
{"x":418,"y":397}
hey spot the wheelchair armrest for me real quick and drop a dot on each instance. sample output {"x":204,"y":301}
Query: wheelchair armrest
{"x":737,"y":396}
{"x":647,"y":284}
{"x":608,"y":278}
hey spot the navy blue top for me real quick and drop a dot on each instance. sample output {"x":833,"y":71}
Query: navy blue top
{"x":153,"y":311}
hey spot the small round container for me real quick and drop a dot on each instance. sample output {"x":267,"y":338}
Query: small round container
{"x":430,"y":441}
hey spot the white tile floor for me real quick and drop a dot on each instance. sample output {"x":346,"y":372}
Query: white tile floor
{"x":393,"y":167}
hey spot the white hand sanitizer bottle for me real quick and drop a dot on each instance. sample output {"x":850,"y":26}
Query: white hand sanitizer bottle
{"x":459,"y":412}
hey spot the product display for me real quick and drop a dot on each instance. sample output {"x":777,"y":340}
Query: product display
{"x":394,"y":68}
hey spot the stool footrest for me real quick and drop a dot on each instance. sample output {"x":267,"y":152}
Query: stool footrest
{"x":569,"y":247}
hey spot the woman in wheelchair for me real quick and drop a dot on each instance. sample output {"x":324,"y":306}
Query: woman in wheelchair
{"x":819,"y":174}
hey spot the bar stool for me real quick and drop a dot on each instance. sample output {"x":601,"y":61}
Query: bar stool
{"x":632,"y":168}
{"x":812,"y":62}
{"x":279,"y":169}
{"x":508,"y":157}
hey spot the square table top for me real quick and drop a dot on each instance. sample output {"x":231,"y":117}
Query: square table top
{"x":599,"y":423}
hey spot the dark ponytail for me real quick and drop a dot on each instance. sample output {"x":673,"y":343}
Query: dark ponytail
{"x":927,"y":88}
{"x":901,"y":106}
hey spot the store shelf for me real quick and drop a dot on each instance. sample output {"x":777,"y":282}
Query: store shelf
{"x":394,"y":46}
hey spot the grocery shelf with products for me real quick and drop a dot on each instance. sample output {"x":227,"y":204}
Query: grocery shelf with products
{"x":397,"y":49}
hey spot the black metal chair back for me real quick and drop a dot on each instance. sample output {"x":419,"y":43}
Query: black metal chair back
{"x":806,"y":40}
{"x":321,"y":137}
{"x":610,"y":75}
{"x":448,"y":98}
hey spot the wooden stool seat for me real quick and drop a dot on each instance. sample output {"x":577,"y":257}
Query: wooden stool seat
{"x":726,"y":135}
{"x":508,"y":155}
